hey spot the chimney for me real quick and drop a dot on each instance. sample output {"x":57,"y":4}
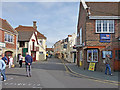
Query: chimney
{"x":34,"y":25}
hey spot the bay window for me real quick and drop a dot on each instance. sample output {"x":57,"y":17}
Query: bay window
{"x":92,"y":55}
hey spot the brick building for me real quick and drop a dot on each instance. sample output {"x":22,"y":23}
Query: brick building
{"x":98,"y":34}
{"x":8,"y":39}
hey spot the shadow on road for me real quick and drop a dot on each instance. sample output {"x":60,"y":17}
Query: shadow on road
{"x":16,"y":74}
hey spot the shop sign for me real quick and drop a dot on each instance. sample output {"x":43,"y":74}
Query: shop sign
{"x":104,"y":53}
{"x":2,"y":44}
{"x":105,"y":37}
{"x":91,"y":66}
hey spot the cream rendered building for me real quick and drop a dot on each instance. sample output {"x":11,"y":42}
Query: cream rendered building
{"x":31,"y":41}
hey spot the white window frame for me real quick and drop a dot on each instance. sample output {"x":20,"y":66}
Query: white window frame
{"x":92,"y":55}
{"x":107,"y":27}
{"x":80,"y":36}
{"x":11,"y":36}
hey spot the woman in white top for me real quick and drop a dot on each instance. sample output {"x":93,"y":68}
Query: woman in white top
{"x":10,"y":61}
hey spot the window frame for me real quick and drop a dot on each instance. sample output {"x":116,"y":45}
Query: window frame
{"x":8,"y":38}
{"x":92,"y":55}
{"x":102,"y":24}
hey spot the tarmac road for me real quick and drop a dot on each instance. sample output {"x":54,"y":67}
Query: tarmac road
{"x":49,"y":74}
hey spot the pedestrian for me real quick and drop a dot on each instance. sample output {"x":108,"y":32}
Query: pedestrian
{"x":2,"y":69}
{"x":20,"y":60}
{"x":4,"y":58}
{"x":28,"y":62}
{"x":10,"y":61}
{"x":107,"y":62}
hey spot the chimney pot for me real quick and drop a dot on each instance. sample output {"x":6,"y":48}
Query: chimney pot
{"x":34,"y":25}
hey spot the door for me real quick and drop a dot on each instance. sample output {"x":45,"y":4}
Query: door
{"x":7,"y":54}
{"x":74,"y":57}
{"x":33,"y":54}
{"x":116,"y":57}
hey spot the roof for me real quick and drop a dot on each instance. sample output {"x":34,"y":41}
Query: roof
{"x":6,"y":26}
{"x":104,"y":8}
{"x":27,"y":32}
{"x":25,"y":35}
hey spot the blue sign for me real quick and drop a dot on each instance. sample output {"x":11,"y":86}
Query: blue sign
{"x":104,"y":53}
{"x":105,"y":37}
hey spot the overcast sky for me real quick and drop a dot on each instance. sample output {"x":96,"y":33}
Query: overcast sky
{"x":55,"y":20}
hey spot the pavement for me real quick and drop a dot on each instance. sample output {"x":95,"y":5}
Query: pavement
{"x":94,"y":74}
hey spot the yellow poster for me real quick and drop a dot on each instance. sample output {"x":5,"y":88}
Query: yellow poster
{"x":91,"y":66}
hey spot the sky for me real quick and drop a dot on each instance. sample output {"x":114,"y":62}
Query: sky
{"x":56,"y":20}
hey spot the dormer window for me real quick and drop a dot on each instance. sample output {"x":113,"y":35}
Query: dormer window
{"x":104,"y":26}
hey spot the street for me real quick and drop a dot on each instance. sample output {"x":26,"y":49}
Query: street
{"x":50,"y":74}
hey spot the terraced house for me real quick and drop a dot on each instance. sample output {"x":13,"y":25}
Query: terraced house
{"x":98,"y":34}
{"x":32,"y":41}
{"x":8,"y":39}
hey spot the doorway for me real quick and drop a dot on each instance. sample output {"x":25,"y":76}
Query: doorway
{"x":33,"y":54}
{"x":116,"y":57}
{"x":7,"y":54}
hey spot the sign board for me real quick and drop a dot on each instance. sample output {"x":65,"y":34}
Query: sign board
{"x":105,"y":37}
{"x":91,"y":66}
{"x":104,"y":53}
{"x":2,"y":44}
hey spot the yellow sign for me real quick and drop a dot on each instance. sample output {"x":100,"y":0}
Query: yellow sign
{"x":91,"y":66}
{"x":80,"y":63}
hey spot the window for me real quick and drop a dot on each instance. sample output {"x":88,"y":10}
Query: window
{"x":41,"y":52}
{"x":40,"y":42}
{"x":92,"y":55}
{"x":8,"y":38}
{"x":104,"y":26}
{"x":22,"y":44}
{"x":80,"y":36}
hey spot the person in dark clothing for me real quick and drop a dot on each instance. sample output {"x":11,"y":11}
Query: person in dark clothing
{"x":28,"y":63}
{"x":4,"y":58}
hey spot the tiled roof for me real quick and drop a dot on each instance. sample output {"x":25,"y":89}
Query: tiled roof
{"x":6,"y":26}
{"x":28,"y":29}
{"x":104,"y":8}
{"x":24,"y":35}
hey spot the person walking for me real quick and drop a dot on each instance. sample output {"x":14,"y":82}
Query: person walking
{"x":10,"y":61}
{"x":4,"y":58}
{"x":20,"y":60}
{"x":107,"y":62}
{"x":28,"y":62}
{"x":2,"y":69}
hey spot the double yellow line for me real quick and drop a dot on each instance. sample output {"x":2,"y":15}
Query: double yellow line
{"x":70,"y":71}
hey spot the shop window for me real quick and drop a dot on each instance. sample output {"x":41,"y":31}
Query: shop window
{"x":92,"y":55}
{"x":116,"y":54}
{"x":104,"y":26}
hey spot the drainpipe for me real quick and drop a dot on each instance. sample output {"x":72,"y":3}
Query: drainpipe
{"x":16,"y":46}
